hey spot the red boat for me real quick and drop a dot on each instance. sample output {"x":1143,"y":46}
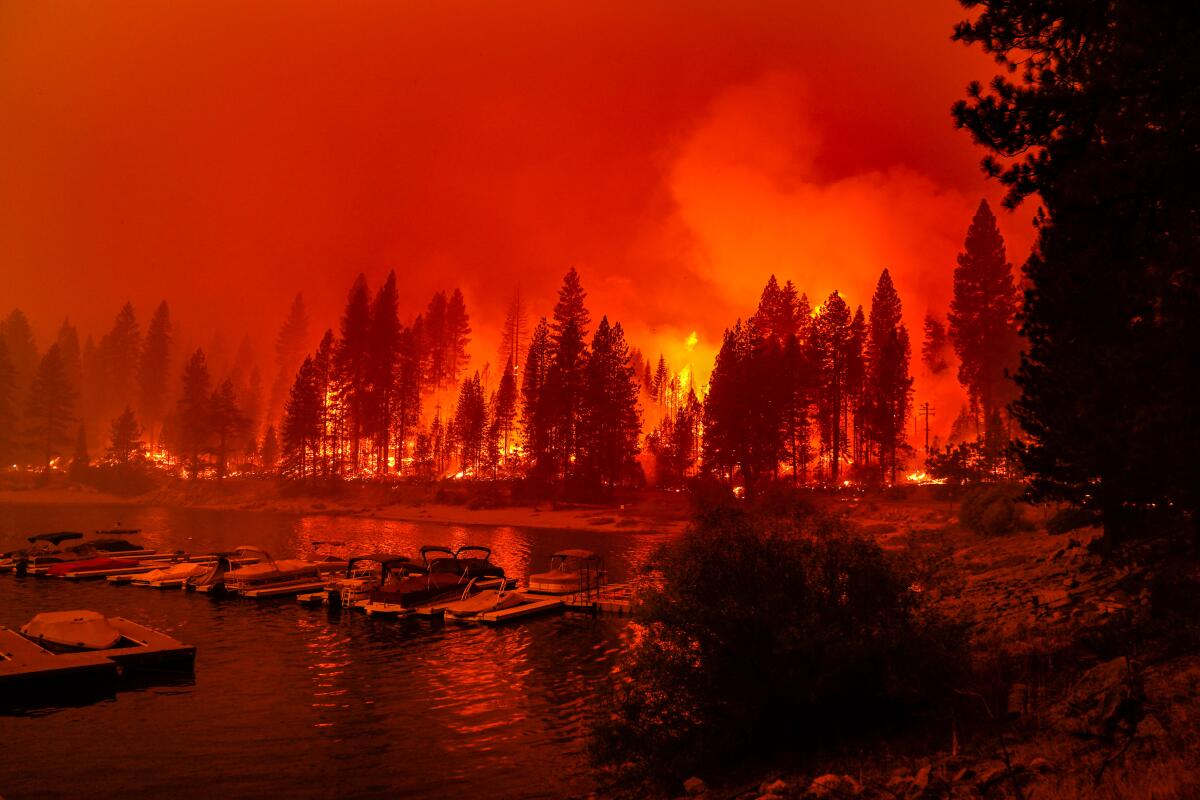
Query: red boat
{"x":101,"y":564}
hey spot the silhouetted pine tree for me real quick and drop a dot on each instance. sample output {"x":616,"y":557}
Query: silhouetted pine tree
{"x":831,"y":349}
{"x":8,"y":407}
{"x":268,"y":453}
{"x":302,"y":426}
{"x":68,"y":347}
{"x":610,"y":420}
{"x":125,"y":439}
{"x":933,"y":348}
{"x":331,"y":419}
{"x":408,"y":384}
{"x":121,"y":348}
{"x":17,"y":334}
{"x":383,"y":354}
{"x":1099,"y":118}
{"x":353,"y":367}
{"x":81,"y":460}
{"x":290,"y":347}
{"x":470,"y":424}
{"x":564,"y":384}
{"x":193,"y":413}
{"x":457,"y":337}
{"x":514,"y":337}
{"x":228,"y":425}
{"x":888,"y":384}
{"x":983,"y":316}
{"x":153,"y":370}
{"x":504,"y":412}
{"x":49,"y":411}
{"x":854,"y":418}
{"x":435,"y":342}
{"x":535,"y":415}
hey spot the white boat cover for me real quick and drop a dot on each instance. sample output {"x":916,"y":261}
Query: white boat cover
{"x":174,"y":572}
{"x":88,"y":630}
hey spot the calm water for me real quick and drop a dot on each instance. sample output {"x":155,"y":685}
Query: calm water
{"x":301,"y":703}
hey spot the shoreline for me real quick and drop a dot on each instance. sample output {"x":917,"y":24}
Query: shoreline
{"x":648,"y":515}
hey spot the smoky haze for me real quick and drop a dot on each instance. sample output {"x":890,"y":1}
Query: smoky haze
{"x":676,"y":154}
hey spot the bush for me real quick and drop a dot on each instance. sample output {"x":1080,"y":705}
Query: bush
{"x":993,"y":509}
{"x":765,"y":629}
{"x":1070,"y":519}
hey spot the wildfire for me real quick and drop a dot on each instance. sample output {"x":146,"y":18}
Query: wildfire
{"x":922,"y":478}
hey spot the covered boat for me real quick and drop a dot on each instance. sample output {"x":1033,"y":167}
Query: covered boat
{"x":212,"y":578}
{"x":41,"y":545}
{"x":482,"y":601}
{"x":171,"y":575}
{"x":278,"y":576}
{"x":98,"y":564}
{"x":76,"y":630}
{"x":570,"y":571}
{"x":364,"y":573}
{"x":446,"y":576}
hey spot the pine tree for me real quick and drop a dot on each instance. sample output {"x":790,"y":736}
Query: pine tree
{"x":610,"y":419}
{"x":933,"y":348}
{"x":228,"y":425}
{"x":352,"y":365}
{"x":48,"y":414}
{"x":983,"y":316}
{"x":888,"y":385}
{"x":122,"y":348}
{"x":269,"y":452}
{"x":408,"y":383}
{"x":81,"y":460}
{"x":331,"y":417}
{"x":153,"y":369}
{"x":435,"y":342}
{"x":504,"y":412}
{"x":194,"y":412}
{"x":68,"y":346}
{"x":290,"y":346}
{"x":8,"y":407}
{"x":18,"y":338}
{"x":831,"y":352}
{"x":302,"y":426}
{"x":564,"y":383}
{"x":535,"y":417}
{"x":125,"y":439}
{"x":515,"y":334}
{"x":383,"y":356}
{"x":458,"y":336}
{"x":470,"y":424}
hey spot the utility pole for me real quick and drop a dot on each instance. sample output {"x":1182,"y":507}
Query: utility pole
{"x":926,"y":412}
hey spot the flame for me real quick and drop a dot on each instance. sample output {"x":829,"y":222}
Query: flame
{"x":691,"y":341}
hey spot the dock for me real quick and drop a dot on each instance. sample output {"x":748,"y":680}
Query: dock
{"x":611,"y":598}
{"x":25,"y":664}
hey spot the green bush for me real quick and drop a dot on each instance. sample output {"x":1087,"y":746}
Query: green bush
{"x":993,"y":509}
{"x":763,"y":630}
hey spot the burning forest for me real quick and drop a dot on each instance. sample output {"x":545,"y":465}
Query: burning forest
{"x":600,"y":401}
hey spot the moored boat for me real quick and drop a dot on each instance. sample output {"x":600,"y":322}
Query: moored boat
{"x":571,"y":571}
{"x":445,"y":577}
{"x":72,"y":630}
{"x":272,"y":577}
{"x":364,"y":573}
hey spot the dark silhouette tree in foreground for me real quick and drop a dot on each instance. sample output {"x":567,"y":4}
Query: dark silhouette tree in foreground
{"x":564,"y":381}
{"x":228,"y":424}
{"x":504,"y":412}
{"x":470,"y":424}
{"x":1100,"y":118}
{"x":352,"y":365}
{"x":18,"y":338}
{"x":832,"y":348}
{"x":535,"y":414}
{"x":302,"y":426}
{"x":290,"y":346}
{"x":193,"y":417}
{"x":269,"y":451}
{"x":48,"y":414}
{"x":121,"y":349}
{"x":610,"y":419}
{"x":125,"y":439}
{"x":983,"y":318}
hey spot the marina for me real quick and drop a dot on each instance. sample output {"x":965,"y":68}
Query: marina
{"x":425,"y":688}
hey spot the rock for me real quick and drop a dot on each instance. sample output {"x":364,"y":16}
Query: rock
{"x":1150,"y":728}
{"x":1041,"y":766}
{"x":777,"y":786}
{"x":694,"y":786}
{"x":1105,"y":699}
{"x":833,"y":786}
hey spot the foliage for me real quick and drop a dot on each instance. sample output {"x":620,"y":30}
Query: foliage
{"x":50,"y":409}
{"x":1070,"y":519}
{"x":993,"y":509}
{"x":1099,"y":118}
{"x":768,"y":623}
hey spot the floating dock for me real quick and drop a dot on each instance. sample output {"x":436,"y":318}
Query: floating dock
{"x":24,"y":663}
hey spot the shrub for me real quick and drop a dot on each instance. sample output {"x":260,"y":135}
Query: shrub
{"x":993,"y":509}
{"x":1070,"y":519}
{"x":765,"y":629}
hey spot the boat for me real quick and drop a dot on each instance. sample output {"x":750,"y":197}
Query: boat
{"x":43,"y":545}
{"x":445,"y":577}
{"x":71,"y":630}
{"x":271,"y":577}
{"x":482,"y":601}
{"x":169,"y":577}
{"x":97,"y":566}
{"x":571,"y":572}
{"x":364,"y":573}
{"x":212,"y":579}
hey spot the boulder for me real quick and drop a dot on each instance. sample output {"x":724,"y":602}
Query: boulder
{"x":694,"y":787}
{"x":833,"y":786}
{"x":1106,"y":700}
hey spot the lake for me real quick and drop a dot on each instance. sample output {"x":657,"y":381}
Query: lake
{"x":299,"y":702}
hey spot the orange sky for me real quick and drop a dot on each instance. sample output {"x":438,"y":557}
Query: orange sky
{"x":224,"y":156}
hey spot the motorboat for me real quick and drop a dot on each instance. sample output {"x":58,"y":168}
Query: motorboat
{"x":41,"y":545}
{"x":445,"y":578}
{"x":271,"y":577}
{"x":364,"y":573}
{"x":212,"y":579}
{"x":97,"y":566}
{"x":570,"y":571}
{"x":483,"y":601}
{"x":72,"y":630}
{"x":171,"y":576}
